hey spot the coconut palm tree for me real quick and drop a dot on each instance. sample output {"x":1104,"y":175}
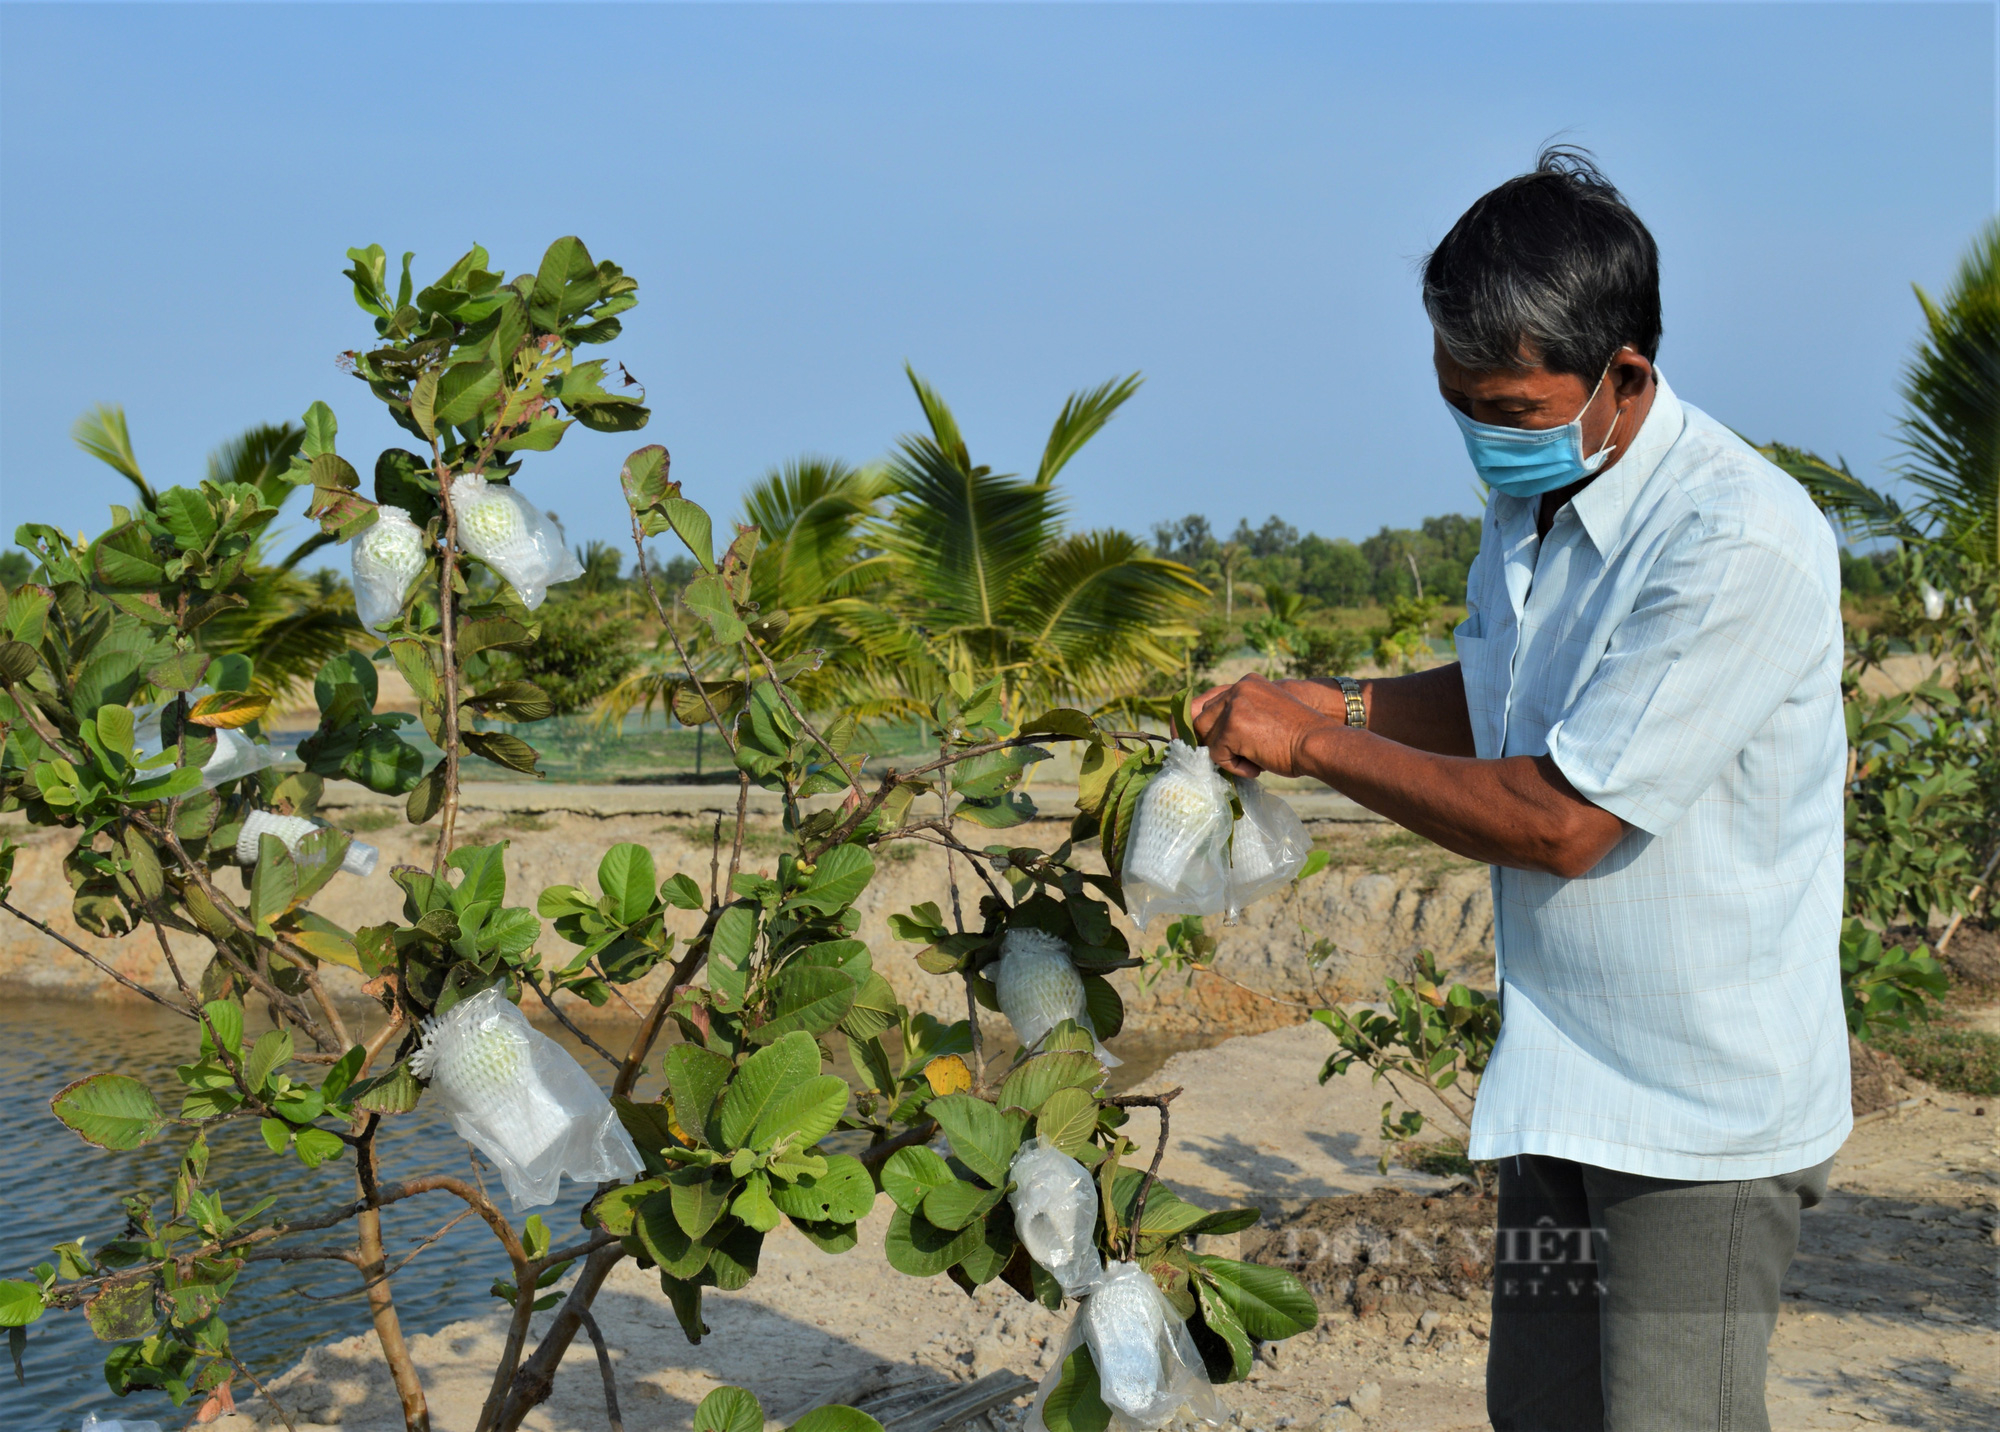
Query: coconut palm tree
{"x":289,"y":623}
{"x":1950,"y":428}
{"x":933,"y":564}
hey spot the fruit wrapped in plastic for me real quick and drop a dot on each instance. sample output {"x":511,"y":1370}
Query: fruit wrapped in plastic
{"x":1148,"y":1371}
{"x":1176,"y":860}
{"x":385,"y":559}
{"x":1055,"y":1214}
{"x":1268,"y":847}
{"x":1039,"y":988}
{"x":291,"y":829}
{"x":505,"y":531}
{"x":519,"y":1098}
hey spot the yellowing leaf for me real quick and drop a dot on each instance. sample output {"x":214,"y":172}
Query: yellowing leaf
{"x":228,"y":710}
{"x":948,"y":1075}
{"x":329,"y":947}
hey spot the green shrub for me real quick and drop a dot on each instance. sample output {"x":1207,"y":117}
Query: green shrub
{"x":1964,"y":1061}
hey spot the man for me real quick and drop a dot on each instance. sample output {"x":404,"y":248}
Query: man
{"x":1643,"y":736}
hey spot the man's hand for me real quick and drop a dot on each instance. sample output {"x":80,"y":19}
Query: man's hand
{"x":1254,"y":726}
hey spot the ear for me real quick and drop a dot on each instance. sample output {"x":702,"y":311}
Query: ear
{"x":1631,"y":374}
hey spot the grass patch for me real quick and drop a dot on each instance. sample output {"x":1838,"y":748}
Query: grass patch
{"x":370,"y":818}
{"x":1391,"y":850}
{"x":1964,"y":1061}
{"x":756,"y":841}
{"x":1445,"y":1158}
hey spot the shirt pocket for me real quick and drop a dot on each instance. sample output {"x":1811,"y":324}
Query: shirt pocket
{"x":1485,"y":687}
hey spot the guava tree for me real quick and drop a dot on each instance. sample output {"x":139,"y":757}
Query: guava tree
{"x":752,"y":1130}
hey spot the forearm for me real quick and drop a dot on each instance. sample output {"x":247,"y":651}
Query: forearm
{"x":1520,"y":812}
{"x":1425,"y":709}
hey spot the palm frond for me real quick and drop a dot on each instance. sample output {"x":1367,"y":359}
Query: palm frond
{"x":810,"y":514}
{"x":102,"y":433}
{"x":1951,"y":433}
{"x":944,"y":427}
{"x":1081,"y":418}
{"x":961,"y":537}
{"x":259,"y":456}
{"x":1860,"y":510}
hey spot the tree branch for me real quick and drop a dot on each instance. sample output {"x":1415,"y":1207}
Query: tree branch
{"x":77,"y":949}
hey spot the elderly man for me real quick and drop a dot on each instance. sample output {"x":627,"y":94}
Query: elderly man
{"x":1643,"y":736}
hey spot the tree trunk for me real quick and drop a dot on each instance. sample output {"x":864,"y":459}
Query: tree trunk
{"x":388,"y":1330}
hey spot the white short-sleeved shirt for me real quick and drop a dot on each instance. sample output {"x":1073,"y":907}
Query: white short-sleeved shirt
{"x":1674,"y":645}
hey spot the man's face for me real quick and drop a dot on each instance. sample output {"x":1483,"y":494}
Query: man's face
{"x":1534,"y":397}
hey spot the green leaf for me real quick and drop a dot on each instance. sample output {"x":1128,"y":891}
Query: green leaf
{"x":626,"y":877}
{"x":1067,"y":1119}
{"x":271,"y":1053}
{"x":708,"y":597}
{"x":463,"y":389}
{"x":803,"y":1116}
{"x":1075,"y":1404}
{"x":700,"y":1197}
{"x":766,"y":1078}
{"x":112,"y":1111}
{"x":999,"y":813}
{"x":691,"y":524}
{"x":728,"y":1409}
{"x":843,"y":1194}
{"x":983,"y":1137}
{"x":319,"y":423}
{"x":918,"y":1247}
{"x":658,"y":1229}
{"x":729,"y":948}
{"x":1031,"y":1084}
{"x":838,"y":880}
{"x":836,"y":1419}
{"x":1269,"y":1302}
{"x":396,"y":1092}
{"x":1224,"y":1346}
{"x":124,"y":559}
{"x":733,"y":1259}
{"x":876,"y":1008}
{"x":1107,"y":1010}
{"x":694,"y":1077}
{"x":753,"y":1205}
{"x":274,"y":885}
{"x":20,"y":1303}
{"x":686,"y":1298}
{"x":954,"y":1205}
{"x":911,"y":1173}
{"x":809,"y":999}
{"x":315,"y":1146}
{"x":225,"y":1018}
{"x":681,"y":892}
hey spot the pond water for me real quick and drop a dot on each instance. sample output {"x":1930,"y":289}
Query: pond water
{"x":54,"y":1188}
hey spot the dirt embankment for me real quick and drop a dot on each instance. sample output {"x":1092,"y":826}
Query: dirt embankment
{"x":1385,"y":897}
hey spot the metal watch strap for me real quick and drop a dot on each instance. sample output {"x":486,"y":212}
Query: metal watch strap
{"x":1357,"y":714}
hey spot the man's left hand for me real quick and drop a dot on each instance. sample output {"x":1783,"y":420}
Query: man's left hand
{"x":1253,"y":727}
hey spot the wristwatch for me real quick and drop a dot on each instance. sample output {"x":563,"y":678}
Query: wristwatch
{"x":1357,"y":714}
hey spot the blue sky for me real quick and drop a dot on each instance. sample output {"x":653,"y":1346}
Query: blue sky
{"x":1020,"y":200}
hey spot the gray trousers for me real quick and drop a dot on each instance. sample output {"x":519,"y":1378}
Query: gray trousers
{"x":1631,"y":1304}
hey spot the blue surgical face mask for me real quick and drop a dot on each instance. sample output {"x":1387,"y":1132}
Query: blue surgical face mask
{"x":1527,"y":462}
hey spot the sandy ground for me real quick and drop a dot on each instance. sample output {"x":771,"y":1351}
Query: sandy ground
{"x":1889,"y":1317}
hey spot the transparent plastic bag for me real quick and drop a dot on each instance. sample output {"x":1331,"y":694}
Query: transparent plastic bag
{"x":1148,"y":1370}
{"x":385,"y":559}
{"x":1267,"y":847}
{"x":1039,"y":988}
{"x":1176,"y":861}
{"x":504,"y":530}
{"x":519,"y":1098}
{"x":1055,"y":1214}
{"x":291,"y":829}
{"x":235,"y":753}
{"x":93,"y":1423}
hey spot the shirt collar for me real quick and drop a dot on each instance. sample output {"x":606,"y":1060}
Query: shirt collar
{"x":1603,"y":505}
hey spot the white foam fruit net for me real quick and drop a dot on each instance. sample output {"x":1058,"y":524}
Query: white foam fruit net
{"x":1148,"y":1371}
{"x":291,"y":829}
{"x":1190,"y":855}
{"x":1039,"y":988}
{"x":385,"y":559}
{"x":504,"y":530}
{"x":1176,"y":860}
{"x":519,"y":1098}
{"x":1055,"y":1214}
